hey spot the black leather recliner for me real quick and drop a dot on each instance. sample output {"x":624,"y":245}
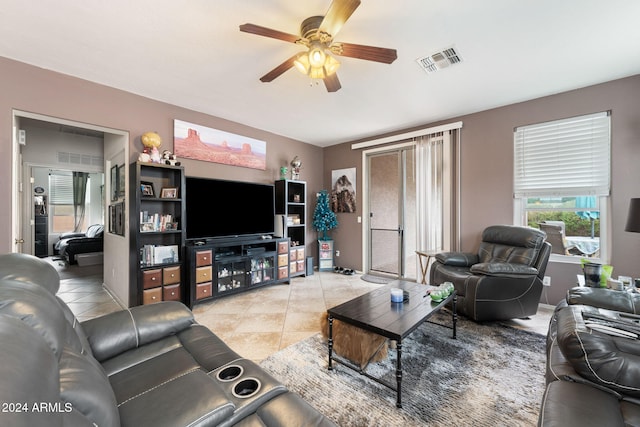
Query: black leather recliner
{"x":503,"y":280}
{"x":72,"y":244}
{"x":592,"y":376}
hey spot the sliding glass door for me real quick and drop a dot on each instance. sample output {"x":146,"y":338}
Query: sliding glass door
{"x":392,"y":212}
{"x":411,"y":197}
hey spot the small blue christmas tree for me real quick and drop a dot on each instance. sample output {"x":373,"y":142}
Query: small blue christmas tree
{"x":323,"y":217}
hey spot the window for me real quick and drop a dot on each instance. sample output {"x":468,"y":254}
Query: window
{"x":62,"y":210}
{"x":562,"y":183}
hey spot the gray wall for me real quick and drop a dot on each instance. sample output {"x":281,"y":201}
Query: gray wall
{"x":40,"y":91}
{"x":486,"y":153}
{"x":487,"y":172}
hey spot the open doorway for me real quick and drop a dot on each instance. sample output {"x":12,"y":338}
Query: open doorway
{"x":44,"y":144}
{"x":65,"y":203}
{"x":62,"y":173}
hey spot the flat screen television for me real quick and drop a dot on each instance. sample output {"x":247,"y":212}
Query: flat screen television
{"x":219,"y":208}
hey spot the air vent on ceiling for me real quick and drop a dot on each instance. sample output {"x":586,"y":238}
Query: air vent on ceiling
{"x":439,"y":60}
{"x":79,"y":159}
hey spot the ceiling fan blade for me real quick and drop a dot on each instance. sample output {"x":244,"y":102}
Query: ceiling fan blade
{"x":268,"y":32}
{"x":332,"y":83}
{"x":336,"y":16}
{"x":369,"y":53}
{"x":276,"y":72}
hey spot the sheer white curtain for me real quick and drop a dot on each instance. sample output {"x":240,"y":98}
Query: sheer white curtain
{"x":437,"y":194}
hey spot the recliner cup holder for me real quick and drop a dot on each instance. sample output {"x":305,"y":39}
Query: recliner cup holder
{"x":246,"y":388}
{"x":230,"y":373}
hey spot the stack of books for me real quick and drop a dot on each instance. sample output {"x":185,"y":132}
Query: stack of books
{"x":152,"y":254}
{"x":156,"y":222}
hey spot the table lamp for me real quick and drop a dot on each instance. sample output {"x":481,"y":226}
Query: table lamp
{"x":633,"y":217}
{"x":633,"y":224}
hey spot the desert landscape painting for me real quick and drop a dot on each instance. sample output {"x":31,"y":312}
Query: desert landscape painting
{"x":192,"y":141}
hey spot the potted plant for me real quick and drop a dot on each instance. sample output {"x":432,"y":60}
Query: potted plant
{"x":324,"y":219}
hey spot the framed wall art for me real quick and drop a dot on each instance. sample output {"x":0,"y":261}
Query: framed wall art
{"x":192,"y":141}
{"x":116,"y":218}
{"x":114,"y":183}
{"x":121,"y":181}
{"x":146,"y":188}
{"x":169,"y":193}
{"x":343,"y":193}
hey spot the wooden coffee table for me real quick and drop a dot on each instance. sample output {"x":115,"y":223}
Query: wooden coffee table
{"x":376,"y":313}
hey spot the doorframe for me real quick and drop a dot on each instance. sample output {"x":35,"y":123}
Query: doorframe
{"x":16,"y":187}
{"x":366,"y":267}
{"x":116,"y":145}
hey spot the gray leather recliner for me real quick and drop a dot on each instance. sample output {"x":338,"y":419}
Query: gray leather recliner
{"x":503,"y":280}
{"x":150,"y":365}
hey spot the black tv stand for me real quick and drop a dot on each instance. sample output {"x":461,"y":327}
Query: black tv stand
{"x":226,"y":266}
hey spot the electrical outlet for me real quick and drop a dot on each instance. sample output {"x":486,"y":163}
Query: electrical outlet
{"x":546,"y":281}
{"x":337,"y":253}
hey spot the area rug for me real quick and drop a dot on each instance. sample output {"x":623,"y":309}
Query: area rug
{"x":491,"y":375}
{"x":376,"y":279}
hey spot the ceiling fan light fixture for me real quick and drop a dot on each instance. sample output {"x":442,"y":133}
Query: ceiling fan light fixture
{"x":317,"y":73}
{"x":302,"y":63}
{"x":317,"y":56}
{"x":306,"y":66}
{"x":317,"y":35}
{"x":331,"y":65}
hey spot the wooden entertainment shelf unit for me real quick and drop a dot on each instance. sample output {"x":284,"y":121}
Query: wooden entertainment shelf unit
{"x":166,"y":265}
{"x":157,"y":234}
{"x":291,"y":204}
{"x":219,"y":267}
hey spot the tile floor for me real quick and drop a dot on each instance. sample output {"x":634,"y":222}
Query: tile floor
{"x":259,"y":323}
{"x":255,"y":324}
{"x":82,"y":289}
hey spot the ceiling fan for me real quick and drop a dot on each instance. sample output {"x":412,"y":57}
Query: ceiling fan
{"x":317,"y":35}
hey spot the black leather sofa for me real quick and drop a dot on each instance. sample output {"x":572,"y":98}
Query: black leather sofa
{"x":72,"y":244}
{"x":150,"y":365}
{"x":593,"y":378}
{"x":503,"y":280}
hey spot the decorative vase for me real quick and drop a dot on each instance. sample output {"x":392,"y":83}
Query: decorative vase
{"x":296,"y":164}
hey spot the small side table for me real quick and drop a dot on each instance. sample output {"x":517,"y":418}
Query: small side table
{"x":325,"y":255}
{"x":425,"y":256}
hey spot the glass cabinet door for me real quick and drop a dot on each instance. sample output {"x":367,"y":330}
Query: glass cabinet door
{"x":231,"y":275}
{"x":262,"y":269}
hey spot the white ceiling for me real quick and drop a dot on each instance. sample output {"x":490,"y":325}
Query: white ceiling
{"x":191,"y":54}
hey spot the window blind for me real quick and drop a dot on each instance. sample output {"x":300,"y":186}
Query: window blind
{"x":569,"y":157}
{"x":60,"y":188}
